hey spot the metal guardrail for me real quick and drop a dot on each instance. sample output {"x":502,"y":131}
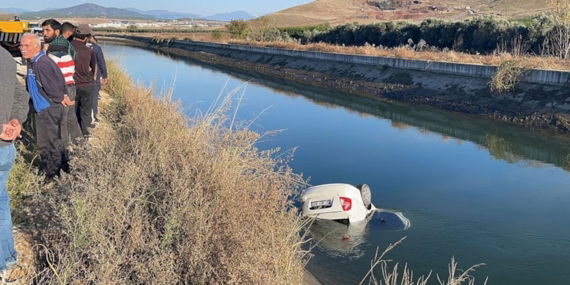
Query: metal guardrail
{"x":11,"y":37}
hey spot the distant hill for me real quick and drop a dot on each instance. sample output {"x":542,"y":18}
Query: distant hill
{"x":88,"y":10}
{"x":15,"y":11}
{"x":169,"y":15}
{"x":164,"y":14}
{"x":237,"y":15}
{"x":368,"y":11}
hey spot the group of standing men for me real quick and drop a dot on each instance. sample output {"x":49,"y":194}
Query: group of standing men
{"x":63,"y":80}
{"x":65,"y":71}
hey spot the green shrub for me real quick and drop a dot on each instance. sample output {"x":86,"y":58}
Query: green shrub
{"x":507,"y":76}
{"x":478,"y":35}
{"x":216,"y":35}
{"x":272,"y":35}
{"x":239,"y":29}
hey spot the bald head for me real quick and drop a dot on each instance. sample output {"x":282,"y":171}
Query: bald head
{"x":30,"y":45}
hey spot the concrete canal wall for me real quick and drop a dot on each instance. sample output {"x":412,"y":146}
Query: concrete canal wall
{"x":549,"y":77}
{"x":541,"y":100}
{"x":537,"y":76}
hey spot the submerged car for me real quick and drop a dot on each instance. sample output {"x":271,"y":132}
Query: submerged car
{"x":339,"y":202}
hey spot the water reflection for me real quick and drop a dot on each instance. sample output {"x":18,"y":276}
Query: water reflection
{"x":340,"y":239}
{"x":503,"y":141}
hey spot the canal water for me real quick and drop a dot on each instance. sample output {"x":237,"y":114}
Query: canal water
{"x":479,"y":191}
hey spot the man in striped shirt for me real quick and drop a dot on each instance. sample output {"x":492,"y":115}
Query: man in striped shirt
{"x":63,"y":54}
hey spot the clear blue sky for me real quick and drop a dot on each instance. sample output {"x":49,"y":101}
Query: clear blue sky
{"x":202,"y":7}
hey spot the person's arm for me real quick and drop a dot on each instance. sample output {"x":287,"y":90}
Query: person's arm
{"x":93,"y":64}
{"x":59,"y":61}
{"x":101,"y":62}
{"x":20,"y":105}
{"x":71,"y":50}
{"x":19,"y":109}
{"x":51,"y":78}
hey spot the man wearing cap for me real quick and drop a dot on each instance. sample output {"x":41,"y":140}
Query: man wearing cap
{"x":85,"y":71}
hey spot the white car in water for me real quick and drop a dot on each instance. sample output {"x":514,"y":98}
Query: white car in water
{"x":339,"y":202}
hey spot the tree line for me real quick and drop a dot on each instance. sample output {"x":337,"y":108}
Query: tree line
{"x":538,"y":35}
{"x":476,"y":36}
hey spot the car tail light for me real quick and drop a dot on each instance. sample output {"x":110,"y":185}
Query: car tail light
{"x":346,"y":203}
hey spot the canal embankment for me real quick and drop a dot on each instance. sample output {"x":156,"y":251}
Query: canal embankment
{"x":540,"y":101}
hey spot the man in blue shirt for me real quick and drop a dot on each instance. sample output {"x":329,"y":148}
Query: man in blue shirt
{"x":46,"y":86}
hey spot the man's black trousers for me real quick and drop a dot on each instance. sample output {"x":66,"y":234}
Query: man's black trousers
{"x":84,"y":107}
{"x":48,"y":136}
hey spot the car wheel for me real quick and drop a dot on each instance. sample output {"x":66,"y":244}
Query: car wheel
{"x":366,"y":195}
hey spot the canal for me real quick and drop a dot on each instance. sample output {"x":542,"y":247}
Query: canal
{"x":480,"y":191}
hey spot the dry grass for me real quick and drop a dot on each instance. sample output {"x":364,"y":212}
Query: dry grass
{"x":393,"y":275}
{"x":171,"y":202}
{"x":536,"y":62}
{"x":155,"y":199}
{"x":507,"y":76}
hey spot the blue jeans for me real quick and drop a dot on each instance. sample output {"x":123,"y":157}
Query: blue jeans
{"x":7,"y":251}
{"x":96,"y":98}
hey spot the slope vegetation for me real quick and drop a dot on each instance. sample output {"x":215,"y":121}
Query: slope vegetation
{"x":367,"y":11}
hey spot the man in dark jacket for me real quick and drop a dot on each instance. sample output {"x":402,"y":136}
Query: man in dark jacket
{"x":85,"y":71}
{"x":46,"y":87}
{"x":13,"y":111}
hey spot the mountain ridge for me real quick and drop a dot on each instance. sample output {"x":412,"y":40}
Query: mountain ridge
{"x":87,"y":10}
{"x":90,"y":10}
